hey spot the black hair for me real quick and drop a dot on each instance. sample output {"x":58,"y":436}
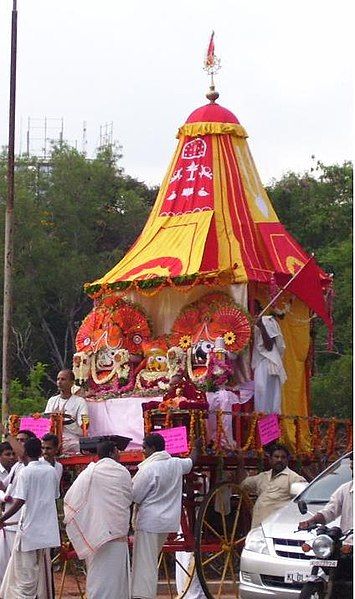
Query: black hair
{"x":70,"y":372}
{"x":279,"y":447}
{"x":52,"y":438}
{"x":33,"y":448}
{"x":105,"y":449}
{"x":4,"y":446}
{"x":155,"y":440}
{"x":29,"y":434}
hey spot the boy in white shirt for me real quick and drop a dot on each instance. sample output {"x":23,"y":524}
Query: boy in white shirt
{"x":28,"y":573}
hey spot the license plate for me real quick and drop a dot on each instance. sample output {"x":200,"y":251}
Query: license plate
{"x":328,"y":563}
{"x":296,"y":577}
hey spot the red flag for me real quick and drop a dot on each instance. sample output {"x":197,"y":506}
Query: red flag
{"x":306,"y":285}
{"x":210,"y":52}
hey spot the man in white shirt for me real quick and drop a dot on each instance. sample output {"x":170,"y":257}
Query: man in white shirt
{"x":157,"y":493}
{"x":7,"y":459}
{"x":28,"y":573}
{"x":73,"y":406}
{"x":97,"y":514}
{"x":339,"y":504}
{"x":8,"y":488}
{"x":50,"y":448}
{"x":269,"y":372}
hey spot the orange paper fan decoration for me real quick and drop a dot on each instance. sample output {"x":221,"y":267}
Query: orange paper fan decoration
{"x":214,"y":315}
{"x":113,"y":324}
{"x":231,"y":319}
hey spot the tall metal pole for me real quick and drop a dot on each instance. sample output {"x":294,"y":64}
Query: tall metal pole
{"x":9,"y":225}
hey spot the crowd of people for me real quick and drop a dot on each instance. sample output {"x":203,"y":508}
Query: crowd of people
{"x":97,"y":509}
{"x":98,"y":513}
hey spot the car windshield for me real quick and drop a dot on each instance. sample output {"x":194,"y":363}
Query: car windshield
{"x":321,"y":489}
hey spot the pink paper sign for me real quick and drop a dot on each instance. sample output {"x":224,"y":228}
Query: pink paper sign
{"x":269,"y":429}
{"x":175,"y":439}
{"x":39,"y":426}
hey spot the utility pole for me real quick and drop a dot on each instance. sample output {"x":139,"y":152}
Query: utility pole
{"x":9,"y":225}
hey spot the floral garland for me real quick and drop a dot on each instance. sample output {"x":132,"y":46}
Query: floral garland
{"x":349,"y":436}
{"x":150,"y":287}
{"x":331,"y":437}
{"x":297,"y":435}
{"x":147,"y":422}
{"x":251,"y":436}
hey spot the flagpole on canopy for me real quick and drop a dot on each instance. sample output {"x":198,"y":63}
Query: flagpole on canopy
{"x":276,"y":297}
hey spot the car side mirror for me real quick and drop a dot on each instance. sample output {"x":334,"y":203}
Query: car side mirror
{"x":302,"y":506}
{"x":297,"y":488}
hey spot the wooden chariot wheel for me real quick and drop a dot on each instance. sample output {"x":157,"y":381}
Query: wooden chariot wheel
{"x":176,"y":569}
{"x":223,"y":521}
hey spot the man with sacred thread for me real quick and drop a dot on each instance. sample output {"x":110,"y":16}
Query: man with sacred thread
{"x":72,"y":407}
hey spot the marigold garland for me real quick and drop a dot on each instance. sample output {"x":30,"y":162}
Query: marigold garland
{"x":14,"y":424}
{"x":297,"y":434}
{"x":192,"y":431}
{"x":251,"y":435}
{"x":167,"y":421}
{"x":331,"y":437}
{"x":147,"y":422}
{"x":349,"y":436}
{"x":315,"y":433}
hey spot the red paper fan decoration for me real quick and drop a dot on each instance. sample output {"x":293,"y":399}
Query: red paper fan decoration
{"x":232,"y":321}
{"x":92,"y":329}
{"x":215,"y":315}
{"x":113,"y":324}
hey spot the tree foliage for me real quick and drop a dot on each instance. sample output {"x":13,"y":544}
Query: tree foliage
{"x":75,"y":218}
{"x":316,"y":207}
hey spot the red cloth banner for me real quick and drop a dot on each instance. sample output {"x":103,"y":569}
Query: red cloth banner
{"x":307,"y":287}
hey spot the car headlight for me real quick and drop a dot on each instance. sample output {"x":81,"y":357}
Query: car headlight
{"x":323,"y":546}
{"x":256,"y":541}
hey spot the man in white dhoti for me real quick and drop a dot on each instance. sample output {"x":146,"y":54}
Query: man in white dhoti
{"x":73,"y":406}
{"x":269,"y":372}
{"x":97,"y":514}
{"x":28,"y":574}
{"x":7,"y":490}
{"x":157,"y":492}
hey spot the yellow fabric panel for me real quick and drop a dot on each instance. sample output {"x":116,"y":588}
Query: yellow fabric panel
{"x":229,"y":253}
{"x":182,"y":237}
{"x":195,"y":129}
{"x":258,"y":201}
{"x":296,"y":331}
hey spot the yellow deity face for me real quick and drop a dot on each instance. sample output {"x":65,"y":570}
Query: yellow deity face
{"x":156,"y":360}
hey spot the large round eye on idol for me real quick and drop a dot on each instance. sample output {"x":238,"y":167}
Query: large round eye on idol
{"x":207,"y":346}
{"x":160,"y":358}
{"x":137,"y":339}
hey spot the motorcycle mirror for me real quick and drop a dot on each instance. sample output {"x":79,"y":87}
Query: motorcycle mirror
{"x":302,"y":506}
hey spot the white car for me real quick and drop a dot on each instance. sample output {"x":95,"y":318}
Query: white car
{"x":272,"y":562}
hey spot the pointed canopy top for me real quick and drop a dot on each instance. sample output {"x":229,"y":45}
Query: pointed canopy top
{"x":212,"y":221}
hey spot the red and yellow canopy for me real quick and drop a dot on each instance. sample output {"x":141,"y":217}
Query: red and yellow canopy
{"x":212,"y":221}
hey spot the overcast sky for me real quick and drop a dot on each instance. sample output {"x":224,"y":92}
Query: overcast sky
{"x":287,"y":74}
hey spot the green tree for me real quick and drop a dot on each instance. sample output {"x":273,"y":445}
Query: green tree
{"x":316,"y":207}
{"x":75,"y":218}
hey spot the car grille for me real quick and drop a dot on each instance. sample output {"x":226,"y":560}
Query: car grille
{"x":291,"y":549}
{"x":278,"y":581}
